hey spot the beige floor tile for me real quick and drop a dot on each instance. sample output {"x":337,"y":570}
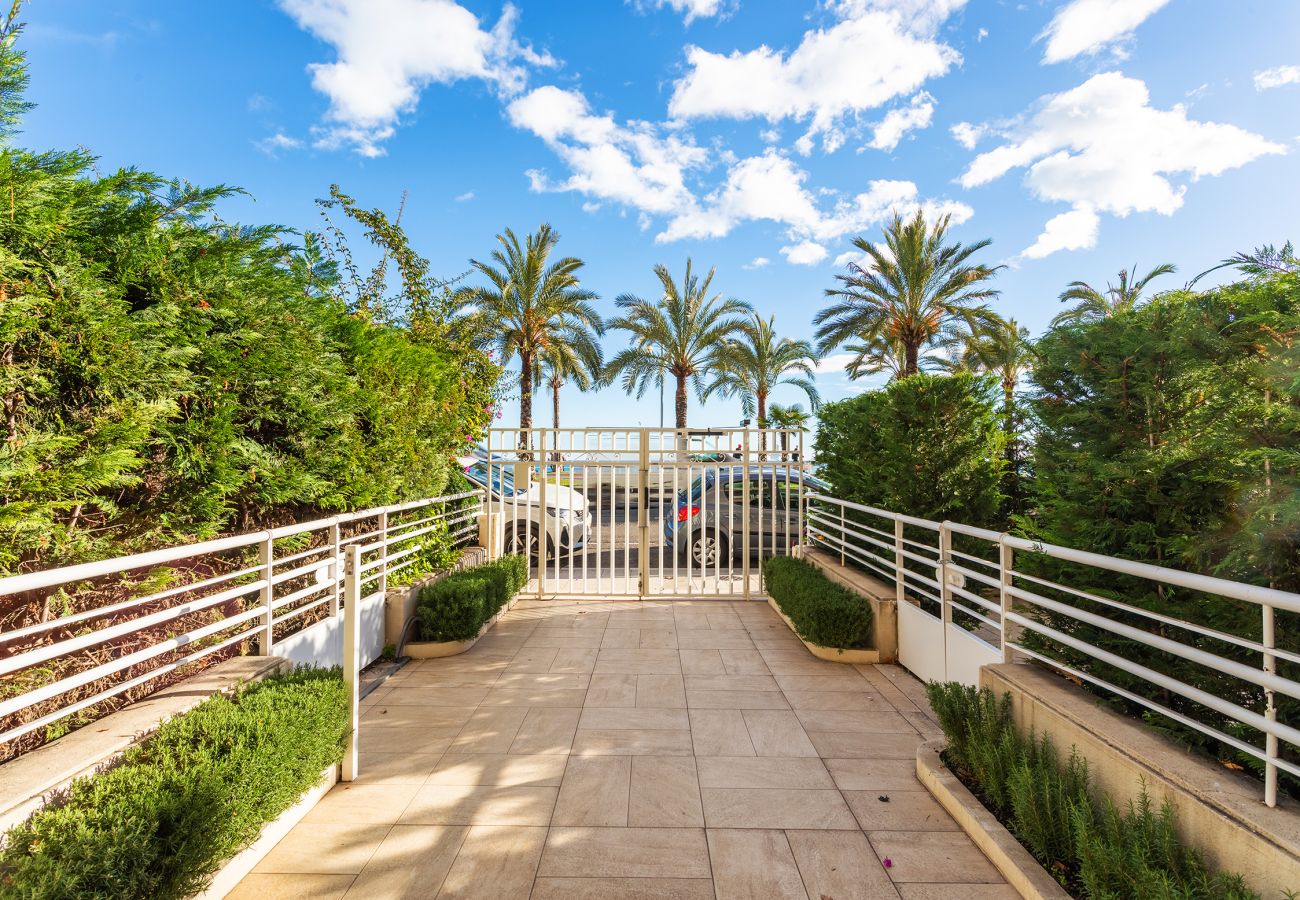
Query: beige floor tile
{"x":625,"y":742}
{"x":736,"y":700}
{"x":933,"y":857}
{"x":362,"y":804}
{"x":665,"y":793}
{"x":750,"y":864}
{"x":546,"y":730}
{"x":625,"y":853}
{"x":743,"y":662}
{"x":711,"y":639}
{"x":489,"y":730}
{"x":575,"y":639}
{"x":543,"y":681}
{"x":731,"y":683}
{"x":720,"y":732}
{"x":643,"y":718}
{"x":838,"y":745}
{"x":292,"y":887}
{"x":396,"y":768}
{"x":775,"y":808}
{"x":638,"y":662}
{"x":861,"y":700}
{"x":660,"y":691}
{"x":514,"y":770}
{"x":463,"y":804}
{"x":575,"y":662}
{"x":431,"y":717}
{"x":968,"y":892}
{"x":534,"y":697}
{"x":623,"y":889}
{"x":915,"y":810}
{"x":621,"y":638}
{"x":611,"y":691}
{"x":702,"y":662}
{"x":324,"y":849}
{"x":411,"y":863}
{"x":436,"y":696}
{"x":873,"y":774}
{"x":406,"y":738}
{"x":855,"y":721}
{"x":658,"y":638}
{"x":495,"y":863}
{"x":776,"y":732}
{"x":532,"y":659}
{"x":839,"y":864}
{"x":594,"y":792}
{"x":763,"y":772}
{"x":848,"y":681}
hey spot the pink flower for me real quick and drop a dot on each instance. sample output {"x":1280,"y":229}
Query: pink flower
{"x":889,"y":863}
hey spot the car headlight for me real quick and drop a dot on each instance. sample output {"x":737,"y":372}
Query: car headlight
{"x":563,"y":513}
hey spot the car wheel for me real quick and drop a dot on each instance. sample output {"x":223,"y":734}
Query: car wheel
{"x":526,"y":540}
{"x":708,"y":549}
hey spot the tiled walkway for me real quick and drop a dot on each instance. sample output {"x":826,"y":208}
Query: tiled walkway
{"x":635,"y":750}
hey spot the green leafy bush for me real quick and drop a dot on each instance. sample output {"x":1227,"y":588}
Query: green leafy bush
{"x":161,"y":822}
{"x":1094,"y":850}
{"x":823,"y":612}
{"x":455,"y":607}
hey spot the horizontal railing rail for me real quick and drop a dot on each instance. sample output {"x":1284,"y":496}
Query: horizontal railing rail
{"x":96,"y":633}
{"x":979,"y":588}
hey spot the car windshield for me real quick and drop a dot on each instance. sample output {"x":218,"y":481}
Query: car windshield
{"x":503,"y":479}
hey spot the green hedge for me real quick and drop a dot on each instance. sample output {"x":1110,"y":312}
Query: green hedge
{"x":160,"y":823}
{"x":1096,"y":850}
{"x":823,"y":612}
{"x":455,"y":607}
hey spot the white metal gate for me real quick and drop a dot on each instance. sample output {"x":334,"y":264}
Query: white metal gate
{"x":644,"y":512}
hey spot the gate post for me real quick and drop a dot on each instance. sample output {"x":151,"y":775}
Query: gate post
{"x":744,"y":509}
{"x":643,"y":516}
{"x":352,"y":655}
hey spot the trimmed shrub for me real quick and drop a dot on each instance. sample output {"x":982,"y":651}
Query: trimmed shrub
{"x":823,"y":612}
{"x":455,"y":607}
{"x":1093,"y":849}
{"x":161,"y":822}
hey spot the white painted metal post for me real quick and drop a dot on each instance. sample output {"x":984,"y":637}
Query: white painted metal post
{"x":336,"y":567}
{"x":1269,"y":640}
{"x":543,"y":517}
{"x":643,"y":516}
{"x":1006,"y":565}
{"x":745,"y":494}
{"x":383,"y":552}
{"x":844,"y":534}
{"x":352,"y":655}
{"x":900,"y":581}
{"x":945,"y":590}
{"x":266,"y":560}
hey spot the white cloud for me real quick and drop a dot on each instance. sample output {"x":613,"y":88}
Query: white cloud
{"x":757,"y":262}
{"x":1102,"y":147}
{"x":636,"y":164}
{"x":1276,"y":77}
{"x":804,"y":253}
{"x":465,"y":197}
{"x":981,"y":35}
{"x":1086,"y":27}
{"x":760,"y":187}
{"x":898,"y":122}
{"x":880,"y":50}
{"x":851,"y":256}
{"x":968,"y":135}
{"x":277,"y":143}
{"x":1073,"y":230}
{"x":390,"y":50}
{"x":695,"y":9}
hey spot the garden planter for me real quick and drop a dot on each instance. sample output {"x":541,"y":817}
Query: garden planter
{"x":400,"y":602}
{"x":1016,"y":864}
{"x":853,"y":656}
{"x":440,"y":649}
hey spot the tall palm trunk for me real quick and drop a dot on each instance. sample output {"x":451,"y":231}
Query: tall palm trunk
{"x":761,"y":399}
{"x":525,"y":397}
{"x":555,"y":403}
{"x":680,"y":401}
{"x":912,"y":361}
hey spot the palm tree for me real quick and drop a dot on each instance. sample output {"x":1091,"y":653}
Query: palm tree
{"x":681,"y":334}
{"x":756,"y":361}
{"x":575,"y":357}
{"x":531,"y":307}
{"x":915,"y":288}
{"x":1091,"y":305}
{"x":884,"y":355}
{"x":788,"y":418}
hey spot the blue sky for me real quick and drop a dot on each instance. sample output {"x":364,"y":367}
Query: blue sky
{"x":759,"y":137}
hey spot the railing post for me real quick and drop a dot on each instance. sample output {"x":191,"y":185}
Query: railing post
{"x":744,"y":512}
{"x":643,"y":516}
{"x":383,"y":553}
{"x":266,"y":560}
{"x":945,"y":590}
{"x":1006,"y":565}
{"x":900,"y":582}
{"x":352,"y":655}
{"x":844,"y":535}
{"x":336,"y":566}
{"x":1270,"y":711}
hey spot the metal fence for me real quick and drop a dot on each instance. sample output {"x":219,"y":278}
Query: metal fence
{"x":967,"y":596}
{"x":84,"y":638}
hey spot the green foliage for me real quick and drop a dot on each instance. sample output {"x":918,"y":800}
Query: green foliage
{"x":455,"y":607}
{"x":161,"y":822}
{"x":929,"y":445}
{"x":823,"y":612}
{"x":166,"y":376}
{"x":1092,"y":849}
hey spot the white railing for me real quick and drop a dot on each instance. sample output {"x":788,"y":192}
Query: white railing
{"x":134,"y":619}
{"x":976,"y":597}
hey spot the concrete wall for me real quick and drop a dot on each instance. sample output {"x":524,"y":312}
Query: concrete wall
{"x":1220,"y":812}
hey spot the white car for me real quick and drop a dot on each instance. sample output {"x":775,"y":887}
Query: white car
{"x":567,"y":518}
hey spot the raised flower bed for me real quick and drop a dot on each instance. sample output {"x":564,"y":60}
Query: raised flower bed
{"x":833,"y":622}
{"x":455,"y":611}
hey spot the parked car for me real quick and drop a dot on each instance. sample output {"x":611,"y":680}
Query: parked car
{"x":567,"y":515}
{"x":709,"y":517}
